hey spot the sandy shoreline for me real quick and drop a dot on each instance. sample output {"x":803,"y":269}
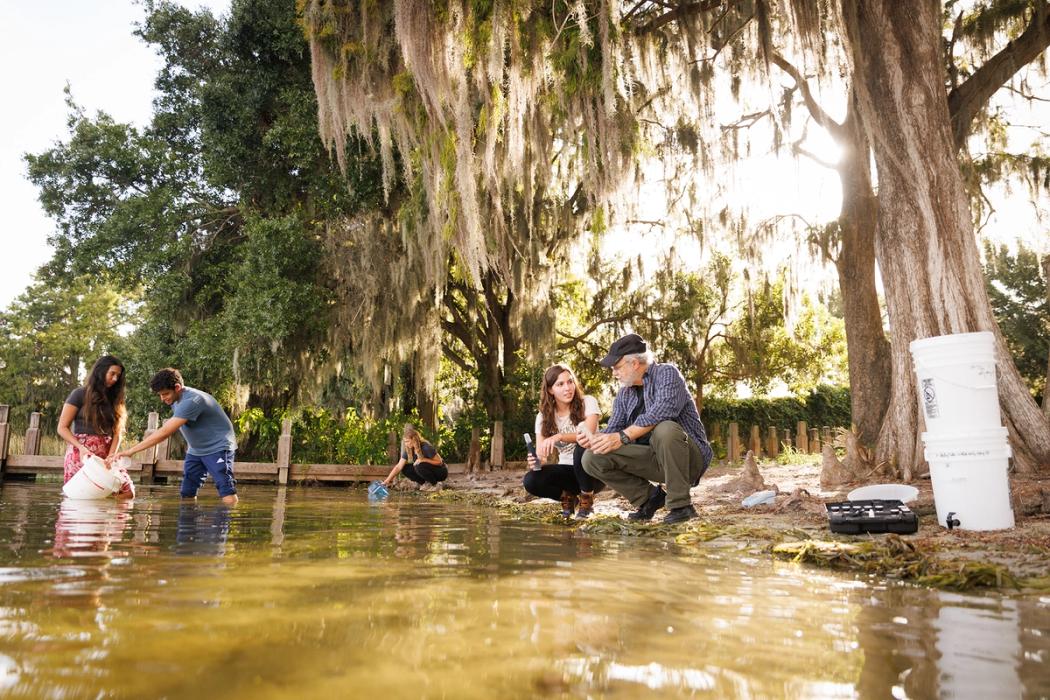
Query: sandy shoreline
{"x":795,"y":526}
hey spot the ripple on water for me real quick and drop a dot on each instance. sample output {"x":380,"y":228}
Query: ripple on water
{"x":23,"y":574}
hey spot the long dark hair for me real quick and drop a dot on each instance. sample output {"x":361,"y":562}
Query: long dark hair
{"x":548,"y":404}
{"x":104,"y":406}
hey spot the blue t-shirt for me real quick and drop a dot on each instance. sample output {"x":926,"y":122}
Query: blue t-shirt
{"x":208,"y":430}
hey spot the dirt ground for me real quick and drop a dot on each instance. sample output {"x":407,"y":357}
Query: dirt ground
{"x":796,"y":525}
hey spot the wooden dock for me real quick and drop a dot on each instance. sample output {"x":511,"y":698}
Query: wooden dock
{"x":153,"y":465}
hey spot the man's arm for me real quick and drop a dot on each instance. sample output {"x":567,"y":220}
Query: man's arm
{"x":163,"y":433}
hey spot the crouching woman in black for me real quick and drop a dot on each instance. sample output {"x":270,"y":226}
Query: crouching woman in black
{"x":420,"y":461}
{"x":563,"y":407}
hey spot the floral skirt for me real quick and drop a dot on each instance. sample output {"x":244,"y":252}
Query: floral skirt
{"x":99,"y":444}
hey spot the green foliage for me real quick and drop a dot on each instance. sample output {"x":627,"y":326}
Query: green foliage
{"x":49,"y":336}
{"x":761,"y":348}
{"x":824,"y":405}
{"x":1020,"y":298}
{"x":322,"y":437}
{"x":214,"y":212}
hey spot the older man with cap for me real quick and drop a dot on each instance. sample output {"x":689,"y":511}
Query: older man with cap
{"x":654,"y":435}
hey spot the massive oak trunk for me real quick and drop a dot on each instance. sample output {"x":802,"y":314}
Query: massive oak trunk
{"x":925,"y":242}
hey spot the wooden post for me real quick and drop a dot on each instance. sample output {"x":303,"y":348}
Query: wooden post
{"x":814,"y":441}
{"x":149,"y":458}
{"x":474,"y":455}
{"x":496,"y":453}
{"x":716,"y":434}
{"x":802,"y":437}
{"x":733,"y":453}
{"x":825,"y":436}
{"x":772,"y":443}
{"x":5,"y":433}
{"x":32,"y":445}
{"x":756,"y":441}
{"x":284,"y":451}
{"x":785,"y":440}
{"x":393,"y":452}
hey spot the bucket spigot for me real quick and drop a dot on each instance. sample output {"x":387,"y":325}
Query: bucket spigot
{"x":951,"y":521}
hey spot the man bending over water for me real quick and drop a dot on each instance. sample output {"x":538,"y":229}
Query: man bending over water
{"x":210,"y":441}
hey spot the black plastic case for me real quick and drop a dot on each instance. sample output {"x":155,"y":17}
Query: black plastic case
{"x":855,"y":517}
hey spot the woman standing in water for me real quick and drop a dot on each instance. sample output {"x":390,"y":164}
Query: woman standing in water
{"x":563,"y":407}
{"x":420,"y":460}
{"x":93,"y":419}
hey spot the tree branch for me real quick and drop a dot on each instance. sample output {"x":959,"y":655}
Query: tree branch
{"x":682,"y":11}
{"x":973,"y":94}
{"x":815,"y":110}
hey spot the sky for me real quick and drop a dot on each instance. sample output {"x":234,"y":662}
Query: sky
{"x":45,"y":44}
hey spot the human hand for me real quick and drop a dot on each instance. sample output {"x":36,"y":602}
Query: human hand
{"x":584,"y":438}
{"x":604,"y":443}
{"x":533,"y":462}
{"x":547,"y":447}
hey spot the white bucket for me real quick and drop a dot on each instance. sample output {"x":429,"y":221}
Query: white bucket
{"x":970,"y":480}
{"x":957,"y":381}
{"x":93,"y":481}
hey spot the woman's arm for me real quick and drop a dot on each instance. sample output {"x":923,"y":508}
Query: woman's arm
{"x":394,"y":472}
{"x":421,"y":456}
{"x":69,"y":413}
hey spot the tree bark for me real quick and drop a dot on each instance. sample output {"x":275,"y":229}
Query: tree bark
{"x":1046,"y":387}
{"x":853,"y":252}
{"x":925,"y":242}
{"x":867,"y":349}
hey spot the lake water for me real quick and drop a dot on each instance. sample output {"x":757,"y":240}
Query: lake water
{"x":315,"y":593}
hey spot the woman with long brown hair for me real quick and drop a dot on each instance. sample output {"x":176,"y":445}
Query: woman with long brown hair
{"x":93,"y":419}
{"x":420,"y":461}
{"x":564,"y":409}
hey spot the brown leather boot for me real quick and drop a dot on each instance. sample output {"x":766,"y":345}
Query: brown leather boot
{"x":568,"y":504}
{"x":586,"y":506}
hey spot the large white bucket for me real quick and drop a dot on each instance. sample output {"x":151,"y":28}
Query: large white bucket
{"x":957,"y":382}
{"x":970,"y":480}
{"x":93,"y":481}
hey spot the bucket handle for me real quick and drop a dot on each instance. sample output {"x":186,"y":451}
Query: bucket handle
{"x":966,"y":386}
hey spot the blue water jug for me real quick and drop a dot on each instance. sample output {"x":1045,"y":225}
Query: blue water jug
{"x":377,"y":491}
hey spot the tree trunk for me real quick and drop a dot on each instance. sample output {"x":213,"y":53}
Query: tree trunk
{"x":925,"y":243}
{"x":1046,"y":386}
{"x":867,"y":349}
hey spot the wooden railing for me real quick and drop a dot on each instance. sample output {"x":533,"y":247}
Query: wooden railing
{"x":769,"y":442}
{"x":154,"y":463}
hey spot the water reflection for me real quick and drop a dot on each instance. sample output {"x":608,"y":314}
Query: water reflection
{"x":202,"y":529}
{"x":85,"y":528}
{"x":314,"y":592}
{"x":979,"y":648}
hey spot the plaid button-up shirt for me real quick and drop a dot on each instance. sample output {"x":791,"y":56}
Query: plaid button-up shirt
{"x":666,"y":398}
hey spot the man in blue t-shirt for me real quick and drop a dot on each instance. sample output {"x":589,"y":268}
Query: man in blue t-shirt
{"x":210,"y":440}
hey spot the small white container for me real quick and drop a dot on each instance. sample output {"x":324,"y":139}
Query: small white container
{"x":93,"y":481}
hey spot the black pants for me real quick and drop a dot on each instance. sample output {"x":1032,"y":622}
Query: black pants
{"x":426,"y":473}
{"x":550,"y":481}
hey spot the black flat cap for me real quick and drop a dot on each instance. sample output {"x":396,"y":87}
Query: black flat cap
{"x":630,"y":344}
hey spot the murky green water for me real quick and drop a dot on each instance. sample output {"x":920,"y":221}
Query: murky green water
{"x":316,"y":593}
